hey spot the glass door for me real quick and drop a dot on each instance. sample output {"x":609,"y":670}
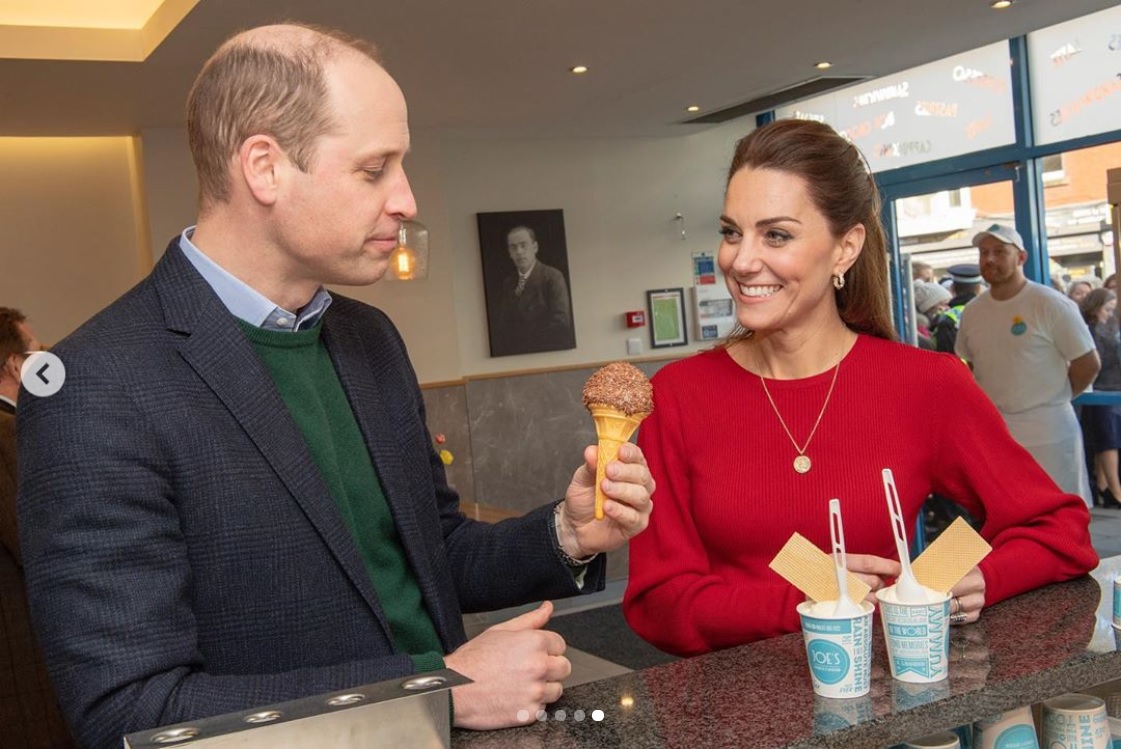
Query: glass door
{"x":1077,"y":214}
{"x":931,"y":223}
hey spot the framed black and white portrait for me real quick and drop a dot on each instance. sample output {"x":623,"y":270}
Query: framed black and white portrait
{"x":526,"y":282}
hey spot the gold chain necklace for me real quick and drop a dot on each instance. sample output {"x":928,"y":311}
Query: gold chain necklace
{"x":802,"y":463}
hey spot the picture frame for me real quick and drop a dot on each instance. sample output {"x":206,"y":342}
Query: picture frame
{"x":667,"y":317}
{"x":526,"y":282}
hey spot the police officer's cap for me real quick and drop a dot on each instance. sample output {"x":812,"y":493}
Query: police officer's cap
{"x":965,"y":273}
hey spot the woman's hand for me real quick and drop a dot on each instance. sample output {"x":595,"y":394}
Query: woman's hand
{"x":872,"y":570}
{"x":968,"y":598}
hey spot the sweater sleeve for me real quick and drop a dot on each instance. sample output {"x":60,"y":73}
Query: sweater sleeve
{"x":677,"y":598}
{"x":1039,"y":534}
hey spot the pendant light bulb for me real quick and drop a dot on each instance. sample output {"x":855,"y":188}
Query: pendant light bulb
{"x":409,"y":259}
{"x":402,"y":260}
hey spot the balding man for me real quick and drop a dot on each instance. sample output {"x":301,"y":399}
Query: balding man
{"x":234,"y":500}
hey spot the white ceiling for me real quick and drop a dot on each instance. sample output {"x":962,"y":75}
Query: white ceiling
{"x":499,"y":67}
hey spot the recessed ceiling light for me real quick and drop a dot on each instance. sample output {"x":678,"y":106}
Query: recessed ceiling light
{"x":692,"y":108}
{"x":578,"y":69}
{"x":116,"y":30}
{"x":1001,"y":4}
{"x":823,"y":65}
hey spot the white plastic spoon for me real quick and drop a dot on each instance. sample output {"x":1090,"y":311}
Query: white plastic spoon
{"x":845,"y":606}
{"x":907,"y":588}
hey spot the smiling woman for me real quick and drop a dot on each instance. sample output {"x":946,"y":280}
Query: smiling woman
{"x":810,"y":399}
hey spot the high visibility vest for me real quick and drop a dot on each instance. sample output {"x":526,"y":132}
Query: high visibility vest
{"x":954,"y":314}
{"x":952,"y":317}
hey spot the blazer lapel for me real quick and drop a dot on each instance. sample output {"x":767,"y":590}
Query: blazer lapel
{"x":367,"y":395}
{"x":222,"y":356}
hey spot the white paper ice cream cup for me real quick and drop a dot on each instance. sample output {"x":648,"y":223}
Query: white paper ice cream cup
{"x":1013,"y":729}
{"x":943,"y":740}
{"x":1117,"y":602}
{"x":917,"y":637}
{"x":839,"y":650}
{"x":1075,"y":721}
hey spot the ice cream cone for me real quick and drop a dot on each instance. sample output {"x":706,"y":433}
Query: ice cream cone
{"x":613,"y":428}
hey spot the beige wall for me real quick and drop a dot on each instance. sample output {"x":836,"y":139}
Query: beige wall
{"x":75,"y":238}
{"x":72,"y":229}
{"x":169,"y":176}
{"x":619,"y":198}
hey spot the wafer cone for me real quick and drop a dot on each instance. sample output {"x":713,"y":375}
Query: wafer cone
{"x":613,"y":428}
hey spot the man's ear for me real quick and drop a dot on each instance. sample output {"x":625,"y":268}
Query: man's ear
{"x":10,"y":368}
{"x":850,"y":246}
{"x":260,"y":161}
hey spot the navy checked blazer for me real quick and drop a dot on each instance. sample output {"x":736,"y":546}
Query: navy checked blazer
{"x":183,"y":555}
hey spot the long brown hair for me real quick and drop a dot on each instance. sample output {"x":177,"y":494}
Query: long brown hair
{"x":1093,"y":304}
{"x":842,"y":188}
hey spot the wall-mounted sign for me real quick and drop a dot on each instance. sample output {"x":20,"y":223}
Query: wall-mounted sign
{"x":667,"y":317}
{"x":704,"y":269}
{"x":947,"y":108}
{"x":714,"y":311}
{"x":1075,"y":72}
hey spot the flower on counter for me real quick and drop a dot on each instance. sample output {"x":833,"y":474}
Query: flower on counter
{"x":445,"y":454}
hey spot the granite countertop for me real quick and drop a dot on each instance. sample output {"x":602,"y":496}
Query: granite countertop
{"x":1047,"y":642}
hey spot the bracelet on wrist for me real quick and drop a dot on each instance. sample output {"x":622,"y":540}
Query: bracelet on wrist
{"x":565,"y":557}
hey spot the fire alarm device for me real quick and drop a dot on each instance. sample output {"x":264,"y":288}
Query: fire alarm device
{"x":636,"y":318}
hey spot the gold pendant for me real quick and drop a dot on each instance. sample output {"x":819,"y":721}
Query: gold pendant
{"x":801,"y":464}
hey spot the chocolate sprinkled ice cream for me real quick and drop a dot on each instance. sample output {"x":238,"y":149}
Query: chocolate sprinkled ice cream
{"x":619,"y":397}
{"x":622,"y":386}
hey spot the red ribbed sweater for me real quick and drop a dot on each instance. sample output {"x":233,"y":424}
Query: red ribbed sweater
{"x":728,"y":498}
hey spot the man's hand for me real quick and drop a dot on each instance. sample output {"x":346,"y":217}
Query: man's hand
{"x":628,"y":487}
{"x":1082,"y":371}
{"x":517,"y":668}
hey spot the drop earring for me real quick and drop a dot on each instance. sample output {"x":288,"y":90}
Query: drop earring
{"x":838,"y":281}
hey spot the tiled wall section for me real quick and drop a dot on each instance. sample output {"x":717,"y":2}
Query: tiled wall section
{"x":517,"y":439}
{"x":446,"y":408}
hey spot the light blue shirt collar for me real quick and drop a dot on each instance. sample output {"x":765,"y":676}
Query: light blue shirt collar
{"x":245,"y":302}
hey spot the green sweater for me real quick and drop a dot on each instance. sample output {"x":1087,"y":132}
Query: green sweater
{"x":303,"y":373}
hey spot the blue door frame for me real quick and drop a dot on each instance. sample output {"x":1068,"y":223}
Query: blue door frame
{"x":925,"y":185}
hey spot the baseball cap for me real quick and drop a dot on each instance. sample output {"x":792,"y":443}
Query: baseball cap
{"x":1005,"y":234}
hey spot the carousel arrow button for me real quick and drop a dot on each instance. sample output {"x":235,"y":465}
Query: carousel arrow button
{"x":43,"y":374}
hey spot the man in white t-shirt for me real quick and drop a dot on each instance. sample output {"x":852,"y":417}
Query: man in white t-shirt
{"x":1031,"y":353}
